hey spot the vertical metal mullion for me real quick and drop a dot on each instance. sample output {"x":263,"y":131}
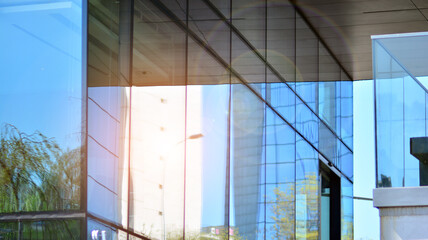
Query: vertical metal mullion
{"x":265,"y":122}
{"x":186,"y":77}
{"x":295,"y":123}
{"x":131,"y":40}
{"x":84,"y":149}
{"x":229,"y":119}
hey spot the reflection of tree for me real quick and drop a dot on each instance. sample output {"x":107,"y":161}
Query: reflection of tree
{"x":35,"y":174}
{"x":283,"y":214}
{"x":305,"y":213}
{"x":222,"y":234}
{"x":47,"y":230}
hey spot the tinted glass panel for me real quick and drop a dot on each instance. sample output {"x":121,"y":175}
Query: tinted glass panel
{"x":41,"y":74}
{"x":247,"y":157}
{"x":281,"y":38}
{"x":307,"y":122}
{"x":209,"y":28}
{"x":346,"y":113}
{"x":280,"y":178}
{"x":41,"y":230}
{"x":389,"y":95}
{"x":347,"y":211}
{"x":306,"y":64}
{"x":307,"y":177}
{"x":249,"y":18}
{"x":158,"y":120}
{"x":207,"y":189}
{"x":281,"y":97}
{"x":108,"y":110}
{"x":97,"y":230}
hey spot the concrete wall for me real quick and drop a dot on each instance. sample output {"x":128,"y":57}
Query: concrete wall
{"x":403,"y":212}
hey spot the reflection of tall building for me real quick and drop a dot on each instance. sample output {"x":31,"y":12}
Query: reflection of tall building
{"x":247,"y":161}
{"x":195,"y":119}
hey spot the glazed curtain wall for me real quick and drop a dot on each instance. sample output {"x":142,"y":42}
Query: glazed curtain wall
{"x":198,"y":119}
{"x":42,"y":119}
{"x":222,"y":121}
{"x":401,"y":114}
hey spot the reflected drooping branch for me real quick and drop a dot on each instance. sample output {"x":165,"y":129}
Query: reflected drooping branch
{"x":35,"y":174}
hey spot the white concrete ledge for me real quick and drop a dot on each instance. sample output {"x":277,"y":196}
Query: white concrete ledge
{"x":400,"y":197}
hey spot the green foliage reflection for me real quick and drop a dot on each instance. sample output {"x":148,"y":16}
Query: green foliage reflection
{"x":35,"y":174}
{"x":46,"y":230}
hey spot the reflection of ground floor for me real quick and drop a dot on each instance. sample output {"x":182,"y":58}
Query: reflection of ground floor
{"x":218,"y":232}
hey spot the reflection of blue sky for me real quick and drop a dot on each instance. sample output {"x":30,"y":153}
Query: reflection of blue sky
{"x":41,"y":75}
{"x":215,"y":99}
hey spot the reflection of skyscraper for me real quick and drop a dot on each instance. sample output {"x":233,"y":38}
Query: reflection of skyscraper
{"x":247,"y":161}
{"x":145,"y":79}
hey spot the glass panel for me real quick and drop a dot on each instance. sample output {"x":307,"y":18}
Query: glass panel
{"x":306,"y":64}
{"x":108,"y":111}
{"x":246,"y":63}
{"x":347,"y":209}
{"x":280,"y":178}
{"x":159,"y":48}
{"x":325,"y":207}
{"x":207,"y":189}
{"x":209,"y":28}
{"x":307,"y":178}
{"x":158,"y":120}
{"x":177,"y":7}
{"x":247,"y":124}
{"x":414,"y":126}
{"x":307,"y":122}
{"x":328,"y":144}
{"x":329,"y":76}
{"x":281,"y":97}
{"x":248,"y":16}
{"x":41,"y":74}
{"x":346,"y":112}
{"x":223,"y":6}
{"x":346,"y":163}
{"x":52,"y":229}
{"x":97,"y":230}
{"x":281,"y":39}
{"x":389,"y":121}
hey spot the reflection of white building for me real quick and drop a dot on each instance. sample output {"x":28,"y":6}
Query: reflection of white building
{"x":157,"y":162}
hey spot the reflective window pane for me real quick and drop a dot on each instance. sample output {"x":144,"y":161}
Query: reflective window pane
{"x":248,"y":16}
{"x":306,"y":64}
{"x":108,"y":110}
{"x":97,"y":230}
{"x":281,"y":39}
{"x":158,"y":120}
{"x":207,"y":189}
{"x":307,"y":181}
{"x":209,"y":28}
{"x":47,"y":229}
{"x":280,"y":178}
{"x":307,"y":122}
{"x":41,"y":74}
{"x":347,"y":209}
{"x":247,"y":124}
{"x":281,"y":97}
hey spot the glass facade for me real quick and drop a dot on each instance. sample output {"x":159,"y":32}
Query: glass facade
{"x":401,"y":112}
{"x":188,"y":119}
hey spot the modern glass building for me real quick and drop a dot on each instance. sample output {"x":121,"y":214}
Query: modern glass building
{"x":172,"y":119}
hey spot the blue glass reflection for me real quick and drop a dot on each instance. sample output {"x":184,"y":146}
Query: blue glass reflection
{"x":41,"y":103}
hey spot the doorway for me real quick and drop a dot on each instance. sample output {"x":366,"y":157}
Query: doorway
{"x":329,"y":203}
